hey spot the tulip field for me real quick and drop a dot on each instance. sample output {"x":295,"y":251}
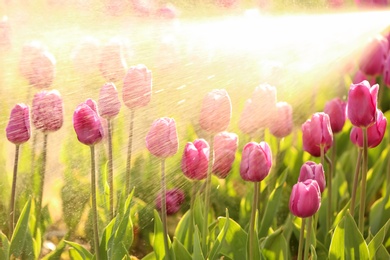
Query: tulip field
{"x":180,"y":130}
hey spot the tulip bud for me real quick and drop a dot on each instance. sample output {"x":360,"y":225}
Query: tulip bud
{"x":86,"y":55}
{"x":47,"y":110}
{"x":112,"y":62}
{"x":305,"y":199}
{"x":311,"y":170}
{"x":362,"y":103}
{"x":174,"y":199}
{"x":30,"y":52}
{"x":137,"y":87}
{"x":360,"y":76}
{"x":92,"y":104}
{"x":18,"y":128}
{"x":256,"y":161}
{"x":216,"y":111}
{"x":162,"y":140}
{"x":87,"y":125}
{"x":317,"y":132}
{"x":195,"y":161}
{"x":336,"y":110}
{"x":43,"y":70}
{"x":5,"y":32}
{"x":109,"y":104}
{"x":386,"y":72}
{"x":375,"y":132}
{"x":373,"y":56}
{"x":246,"y":123}
{"x":168,"y":12}
{"x":225,"y":147}
{"x":282,"y":121}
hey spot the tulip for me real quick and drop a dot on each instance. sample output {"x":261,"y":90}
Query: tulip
{"x":305,"y":199}
{"x":336,"y":110}
{"x":43,"y":70}
{"x":5,"y":32}
{"x":87,"y":125}
{"x":195,"y":159}
{"x":167,"y":12}
{"x":282,"y":122}
{"x":256,"y":161}
{"x":360,"y":76}
{"x":216,"y":111}
{"x":108,"y":103}
{"x":225,"y":147}
{"x":373,"y":56}
{"x":30,"y":52}
{"x":112,"y":63}
{"x":47,"y":111}
{"x":137,"y":87}
{"x":375,"y":132}
{"x":86,"y":55}
{"x":311,"y":170}
{"x":362,"y":104}
{"x":174,"y":199}
{"x":316,"y":132}
{"x":18,"y":128}
{"x":246,"y":123}
{"x":386,"y":71}
{"x":162,"y":140}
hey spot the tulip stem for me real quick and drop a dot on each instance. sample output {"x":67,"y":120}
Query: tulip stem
{"x":94,"y":206}
{"x":329,"y":183}
{"x":110,"y":168}
{"x":355,"y":182}
{"x":364,"y":180}
{"x":41,"y":184}
{"x":308,"y":237}
{"x":129,"y":152}
{"x":164,"y":209}
{"x":252,"y":232}
{"x":301,"y":238}
{"x":191,"y":227}
{"x":333,"y":160}
{"x":13,"y":191}
{"x":329,"y":180}
{"x":207,"y":196}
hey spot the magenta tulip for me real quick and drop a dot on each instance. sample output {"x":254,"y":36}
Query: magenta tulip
{"x":174,"y":199}
{"x":137,"y":87}
{"x":311,"y":170}
{"x":282,"y":121}
{"x":216,"y":111}
{"x":362,"y":104}
{"x":316,"y":132}
{"x":109,"y":103}
{"x":360,"y":76}
{"x":47,"y":111}
{"x":256,"y":161}
{"x":18,"y":128}
{"x":336,"y":109}
{"x":386,"y":72}
{"x":162,"y":140}
{"x":373,"y":56}
{"x":87,"y":125}
{"x":195,"y":160}
{"x":305,"y":199}
{"x":112,"y":63}
{"x":225,"y":147}
{"x":375,"y":132}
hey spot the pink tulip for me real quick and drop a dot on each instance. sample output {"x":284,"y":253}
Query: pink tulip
{"x":216,"y":111}
{"x":305,"y":199}
{"x":336,"y":109}
{"x":375,"y":132}
{"x":317,"y":132}
{"x":112,"y":62}
{"x":30,"y":52}
{"x":362,"y":104}
{"x":47,"y":111}
{"x":5,"y":32}
{"x":86,"y":56}
{"x":174,"y":199}
{"x":282,"y":122}
{"x":108,"y":103}
{"x":162,"y":140}
{"x":311,"y":170}
{"x":256,"y":161}
{"x":225,"y":147}
{"x":195,"y":160}
{"x":87,"y":125}
{"x":92,"y":104}
{"x":167,"y":12}
{"x":42,"y":70}
{"x":137,"y":87}
{"x":373,"y":56}
{"x":246,"y":123}
{"x":18,"y":128}
{"x":360,"y":76}
{"x":386,"y":72}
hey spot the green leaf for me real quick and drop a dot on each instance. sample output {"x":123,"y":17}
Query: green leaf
{"x":107,"y":238}
{"x":20,"y":233}
{"x":4,"y":246}
{"x":198,"y":254}
{"x":382,"y":253}
{"x":234,"y":245}
{"x":379,"y":213}
{"x":313,"y":253}
{"x":182,"y":229}
{"x":180,"y":251}
{"x":158,"y":243}
{"x":377,"y":240}
{"x":198,"y":213}
{"x":275,"y":246}
{"x":150,"y":256}
{"x":220,"y":238}
{"x":56,"y":254}
{"x":336,"y":249}
{"x":79,"y":252}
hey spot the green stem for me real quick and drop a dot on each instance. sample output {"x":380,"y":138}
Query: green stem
{"x":329,"y":187}
{"x":252,"y":232}
{"x":191,"y":227}
{"x":275,"y":168}
{"x":333,"y":160}
{"x":129,"y":152}
{"x":41,"y":184}
{"x":355,"y":182}
{"x":164,"y":209}
{"x":207,"y":196}
{"x":13,"y":192}
{"x":94,"y":206}
{"x":301,"y":238}
{"x":329,"y":183}
{"x":364,"y":180}
{"x":308,"y":237}
{"x":110,"y":168}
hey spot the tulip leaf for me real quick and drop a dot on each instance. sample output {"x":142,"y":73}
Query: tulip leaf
{"x":79,"y":252}
{"x":313,"y":253}
{"x":379,"y":213}
{"x":220,"y":238}
{"x":4,"y":248}
{"x":107,"y":237}
{"x":158,"y":243}
{"x":150,"y":256}
{"x":377,"y":240}
{"x":180,"y":251}
{"x":234,"y":244}
{"x":336,"y":249}
{"x":198,"y":254}
{"x":275,"y":246}
{"x":382,"y":253}
{"x":182,"y":232}
{"x":20,"y":233}
{"x":198,"y":214}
